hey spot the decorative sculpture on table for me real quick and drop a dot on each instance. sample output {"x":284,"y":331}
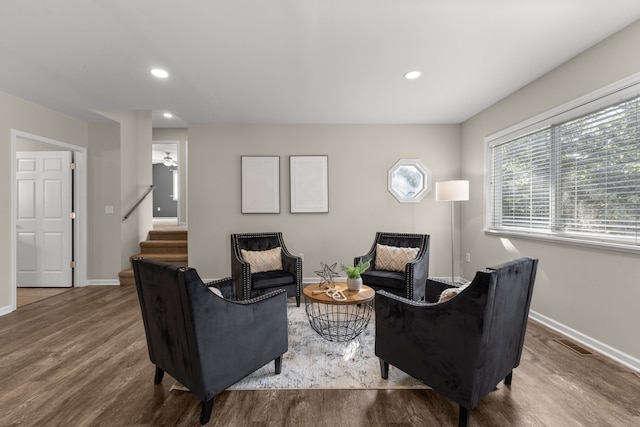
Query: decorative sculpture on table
{"x":327,"y":273}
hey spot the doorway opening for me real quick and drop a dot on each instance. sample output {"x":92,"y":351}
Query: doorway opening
{"x":166,"y":181}
{"x":77,"y":235}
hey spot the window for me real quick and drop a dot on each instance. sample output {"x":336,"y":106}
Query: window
{"x":176,"y":188}
{"x":573,"y":175}
{"x":409,"y":180}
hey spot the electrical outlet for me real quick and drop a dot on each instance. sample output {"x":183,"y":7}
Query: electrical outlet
{"x":467,"y":257}
{"x":301,"y":256}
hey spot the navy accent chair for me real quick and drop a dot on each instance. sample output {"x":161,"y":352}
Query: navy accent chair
{"x":465,"y":346}
{"x":250,"y":285}
{"x":412,"y":281}
{"x":204,"y":341}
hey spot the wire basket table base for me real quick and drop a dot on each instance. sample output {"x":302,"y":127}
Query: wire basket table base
{"x":338,"y":323}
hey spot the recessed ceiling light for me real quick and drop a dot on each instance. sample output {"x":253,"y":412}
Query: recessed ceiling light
{"x":160,"y":73}
{"x":411,"y":75}
{"x":168,"y":115}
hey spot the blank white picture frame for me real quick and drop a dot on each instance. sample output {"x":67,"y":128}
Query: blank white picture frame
{"x":309,"y":179}
{"x":260,"y":184}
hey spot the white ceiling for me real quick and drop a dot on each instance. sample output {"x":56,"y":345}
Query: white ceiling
{"x":292,"y":61}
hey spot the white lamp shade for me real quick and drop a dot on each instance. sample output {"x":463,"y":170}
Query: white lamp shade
{"x":452,"y":190}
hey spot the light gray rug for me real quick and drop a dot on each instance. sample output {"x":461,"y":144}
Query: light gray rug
{"x":315,"y":363}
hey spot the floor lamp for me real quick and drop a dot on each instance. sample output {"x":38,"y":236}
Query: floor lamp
{"x":452,"y":191}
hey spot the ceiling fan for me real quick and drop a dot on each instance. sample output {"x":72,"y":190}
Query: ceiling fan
{"x":168,"y":161}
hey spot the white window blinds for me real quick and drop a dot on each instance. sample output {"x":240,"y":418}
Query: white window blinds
{"x":575,"y":179}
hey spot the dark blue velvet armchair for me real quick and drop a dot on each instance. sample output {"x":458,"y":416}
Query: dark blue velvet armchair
{"x":250,"y":285}
{"x":204,"y":341}
{"x":465,"y":346}
{"x":411,"y":281}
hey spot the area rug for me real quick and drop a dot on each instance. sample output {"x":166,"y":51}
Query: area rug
{"x":315,"y":363}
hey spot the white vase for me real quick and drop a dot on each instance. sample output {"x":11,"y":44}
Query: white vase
{"x":354,"y":284}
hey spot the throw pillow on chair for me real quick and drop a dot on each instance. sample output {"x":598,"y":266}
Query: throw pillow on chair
{"x":392,"y":258}
{"x":259,"y":261}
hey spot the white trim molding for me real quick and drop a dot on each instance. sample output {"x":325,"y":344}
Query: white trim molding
{"x":600,"y":347}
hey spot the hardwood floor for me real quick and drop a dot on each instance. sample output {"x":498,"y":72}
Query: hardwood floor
{"x":28,"y":295}
{"x":80,"y":358}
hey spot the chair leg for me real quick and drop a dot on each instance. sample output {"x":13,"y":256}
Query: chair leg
{"x":159,"y":375}
{"x":463,"y":419}
{"x":298,"y":301}
{"x":205,"y":415}
{"x":508,"y":378}
{"x":278,"y":364}
{"x":384,"y":369}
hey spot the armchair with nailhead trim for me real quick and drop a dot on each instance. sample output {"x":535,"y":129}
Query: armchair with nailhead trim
{"x":203,"y":340}
{"x":285,"y":274}
{"x":408,"y":277}
{"x":465,"y":344}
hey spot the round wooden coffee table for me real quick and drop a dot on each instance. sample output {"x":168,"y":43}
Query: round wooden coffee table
{"x":337,"y":320}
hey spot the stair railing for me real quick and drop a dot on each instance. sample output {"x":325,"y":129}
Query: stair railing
{"x":140,"y":200}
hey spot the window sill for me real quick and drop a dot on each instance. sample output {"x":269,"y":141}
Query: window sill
{"x":619,"y":247}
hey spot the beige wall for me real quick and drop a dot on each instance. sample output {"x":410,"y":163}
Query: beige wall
{"x":592,"y":291}
{"x":25,"y":144}
{"x":135,"y":177}
{"x":24,"y":116}
{"x":359,"y":203}
{"x":135,"y":154}
{"x":104,"y":184}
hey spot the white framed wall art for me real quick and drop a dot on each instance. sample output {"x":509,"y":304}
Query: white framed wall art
{"x":309,"y":179}
{"x":260,"y":184}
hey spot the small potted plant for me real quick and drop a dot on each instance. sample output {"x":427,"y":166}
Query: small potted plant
{"x":354,"y":281}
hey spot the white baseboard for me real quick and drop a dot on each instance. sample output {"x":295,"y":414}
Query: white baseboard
{"x":602,"y":348}
{"x":5,"y":310}
{"x":103,"y":282}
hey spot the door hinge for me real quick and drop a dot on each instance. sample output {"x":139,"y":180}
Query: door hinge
{"x":72,"y":215}
{"x":72,"y":166}
{"x":72,"y":264}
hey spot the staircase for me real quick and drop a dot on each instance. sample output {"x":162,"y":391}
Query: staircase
{"x":164,"y":245}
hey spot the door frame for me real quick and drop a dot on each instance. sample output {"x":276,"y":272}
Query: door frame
{"x":79,"y":202}
{"x":179,"y":219}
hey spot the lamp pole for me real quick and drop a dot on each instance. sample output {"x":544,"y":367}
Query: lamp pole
{"x":452,"y":191}
{"x":452,"y":244}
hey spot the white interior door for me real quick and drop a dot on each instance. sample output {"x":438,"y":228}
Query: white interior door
{"x":43,"y":223}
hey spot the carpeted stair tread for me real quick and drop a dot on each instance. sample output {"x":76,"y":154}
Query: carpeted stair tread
{"x":126,"y":277}
{"x":168,"y":235}
{"x":164,"y":246}
{"x":179,"y":259}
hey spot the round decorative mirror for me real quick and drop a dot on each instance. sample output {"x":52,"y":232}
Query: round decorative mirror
{"x":409,"y":180}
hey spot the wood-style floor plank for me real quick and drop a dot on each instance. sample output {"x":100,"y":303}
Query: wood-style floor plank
{"x":80,"y":358}
{"x":27,"y":295}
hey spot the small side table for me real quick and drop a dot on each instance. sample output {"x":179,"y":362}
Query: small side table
{"x":338,"y":321}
